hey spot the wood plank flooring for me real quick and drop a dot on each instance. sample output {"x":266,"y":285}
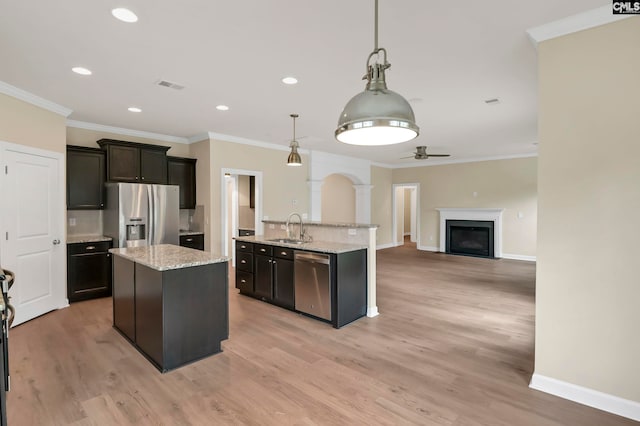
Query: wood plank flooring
{"x":453,"y":346}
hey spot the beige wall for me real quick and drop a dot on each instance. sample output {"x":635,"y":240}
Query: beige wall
{"x":588,"y":285}
{"x":381,"y":180}
{"x":25,"y":124}
{"x":281,"y":184}
{"x":508,"y":184}
{"x":407,"y":211}
{"x":84,"y":137}
{"x":338,"y":200}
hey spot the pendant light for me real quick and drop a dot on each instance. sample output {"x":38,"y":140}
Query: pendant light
{"x":377,"y":116}
{"x":294,"y":158}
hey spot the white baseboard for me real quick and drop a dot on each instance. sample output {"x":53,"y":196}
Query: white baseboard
{"x":386,"y":246}
{"x":372,"y":311}
{"x":519,"y":257}
{"x":592,"y":398}
{"x":428,"y":248}
{"x":407,"y":234}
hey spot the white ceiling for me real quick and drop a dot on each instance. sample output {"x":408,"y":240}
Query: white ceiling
{"x":447,"y":58}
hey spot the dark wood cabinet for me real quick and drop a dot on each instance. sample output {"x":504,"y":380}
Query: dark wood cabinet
{"x":262,"y":278}
{"x":283,"y":281}
{"x":85,"y":178}
{"x":182,"y":172}
{"x":246,"y":232}
{"x":88,"y":270}
{"x":135,"y":162}
{"x":195,"y":241}
{"x":124,"y":297}
{"x":244,"y":267}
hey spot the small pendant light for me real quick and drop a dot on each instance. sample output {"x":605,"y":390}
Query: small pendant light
{"x":294,"y":158}
{"x":377,"y":116}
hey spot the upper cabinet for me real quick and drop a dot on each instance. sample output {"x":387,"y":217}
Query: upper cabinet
{"x":85,"y":178}
{"x":135,"y":162}
{"x":182,"y":172}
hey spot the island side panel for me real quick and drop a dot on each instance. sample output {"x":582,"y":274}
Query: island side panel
{"x":124,"y":297}
{"x":149,"y":317}
{"x":196,"y":312}
{"x":351,"y":287}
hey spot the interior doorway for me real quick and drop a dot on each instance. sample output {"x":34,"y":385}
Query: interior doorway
{"x":405,"y":201}
{"x":241,"y":206}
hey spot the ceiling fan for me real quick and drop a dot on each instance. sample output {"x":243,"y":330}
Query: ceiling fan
{"x":421,"y":154}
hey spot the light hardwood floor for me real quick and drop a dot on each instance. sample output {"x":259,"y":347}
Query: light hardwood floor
{"x":453,"y":346}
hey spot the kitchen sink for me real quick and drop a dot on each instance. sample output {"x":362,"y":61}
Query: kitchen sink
{"x":286,"y":241}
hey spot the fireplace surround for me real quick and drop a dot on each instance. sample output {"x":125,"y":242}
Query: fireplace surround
{"x":480,"y":215}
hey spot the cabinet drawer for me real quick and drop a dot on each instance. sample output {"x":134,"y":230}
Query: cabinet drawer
{"x":244,"y":281}
{"x":263,"y":250}
{"x":192,"y":241}
{"x":283,"y":252}
{"x":82,"y":248}
{"x":244,"y":262}
{"x":244,"y":246}
{"x":246,"y":232}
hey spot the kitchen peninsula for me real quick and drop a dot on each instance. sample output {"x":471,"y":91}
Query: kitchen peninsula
{"x":171,"y":302}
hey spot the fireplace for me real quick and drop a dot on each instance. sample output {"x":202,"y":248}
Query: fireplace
{"x":493,"y":215}
{"x":470,"y":238}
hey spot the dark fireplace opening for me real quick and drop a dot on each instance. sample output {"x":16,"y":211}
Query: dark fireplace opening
{"x":470,"y":237}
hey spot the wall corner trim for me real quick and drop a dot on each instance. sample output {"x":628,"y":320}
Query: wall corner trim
{"x":592,"y":398}
{"x":25,"y":96}
{"x":572,"y":24}
{"x":429,"y":248}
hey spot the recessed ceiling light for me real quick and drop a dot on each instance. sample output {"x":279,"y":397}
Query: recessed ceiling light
{"x":125,"y":15}
{"x":290,"y":80}
{"x":222,"y":108}
{"x":134,"y":109}
{"x":81,"y":70}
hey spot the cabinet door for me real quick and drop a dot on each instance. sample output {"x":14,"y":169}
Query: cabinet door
{"x":192,"y":241}
{"x":89,"y":276}
{"x":262,"y":279}
{"x":85,"y":179}
{"x":283,"y":283}
{"x":182,"y":172}
{"x":123,"y":163}
{"x":124,"y":297}
{"x":153,"y":166}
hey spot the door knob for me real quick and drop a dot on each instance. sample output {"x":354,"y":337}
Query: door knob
{"x":56,"y":242}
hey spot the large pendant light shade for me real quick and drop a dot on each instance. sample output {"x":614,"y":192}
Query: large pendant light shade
{"x":377,"y":116}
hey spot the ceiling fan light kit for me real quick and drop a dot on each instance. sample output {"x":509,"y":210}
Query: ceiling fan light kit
{"x":294,"y":158}
{"x":377,"y":116}
{"x":421,"y":154}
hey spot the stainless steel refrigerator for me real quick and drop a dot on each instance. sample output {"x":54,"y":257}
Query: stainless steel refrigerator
{"x":142,"y":215}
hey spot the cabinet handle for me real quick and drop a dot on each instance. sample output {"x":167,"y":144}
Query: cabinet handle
{"x":243,"y":281}
{"x":243,"y":261}
{"x":284,"y":253}
{"x":189,"y":240}
{"x":136,"y":177}
{"x":243,"y":247}
{"x":91,"y":247}
{"x":263,"y":250}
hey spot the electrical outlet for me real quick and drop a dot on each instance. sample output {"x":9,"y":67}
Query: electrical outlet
{"x":520,"y":215}
{"x":430,"y":237}
{"x":272,"y":226}
{"x":352,"y":232}
{"x":283,"y":227}
{"x":72,"y":221}
{"x":294,"y":202}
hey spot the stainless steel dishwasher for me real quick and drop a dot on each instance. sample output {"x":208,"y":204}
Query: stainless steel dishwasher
{"x":313,"y":284}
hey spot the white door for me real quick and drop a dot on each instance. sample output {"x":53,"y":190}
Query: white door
{"x":32,"y":241}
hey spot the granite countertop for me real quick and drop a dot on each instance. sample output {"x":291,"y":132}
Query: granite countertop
{"x":184,"y":232}
{"x":164,"y":257}
{"x":73,"y":239}
{"x":321,"y":246}
{"x":327,"y":224}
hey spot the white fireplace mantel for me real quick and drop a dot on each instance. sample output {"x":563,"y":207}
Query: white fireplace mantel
{"x":494,"y":215}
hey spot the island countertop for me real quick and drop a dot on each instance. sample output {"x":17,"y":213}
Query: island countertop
{"x":320,"y":246}
{"x":164,"y":257}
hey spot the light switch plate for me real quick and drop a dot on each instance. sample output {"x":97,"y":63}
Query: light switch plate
{"x":352,"y":232}
{"x":72,"y":221}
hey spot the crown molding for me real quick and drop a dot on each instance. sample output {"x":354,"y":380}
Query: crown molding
{"x":466,"y":160}
{"x":572,"y":24}
{"x":252,"y":142}
{"x":25,"y":96}
{"x":125,"y":132}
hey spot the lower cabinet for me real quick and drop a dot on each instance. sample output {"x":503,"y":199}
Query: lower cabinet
{"x":194,"y":241}
{"x":88,"y":270}
{"x":266,"y":272}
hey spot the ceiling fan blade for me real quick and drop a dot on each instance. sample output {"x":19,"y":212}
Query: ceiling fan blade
{"x":439,"y":155}
{"x":403,"y":158}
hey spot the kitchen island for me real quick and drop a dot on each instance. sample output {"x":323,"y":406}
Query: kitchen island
{"x":171,"y":302}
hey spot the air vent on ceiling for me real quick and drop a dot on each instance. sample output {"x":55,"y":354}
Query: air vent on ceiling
{"x":169,"y":84}
{"x":492,"y":101}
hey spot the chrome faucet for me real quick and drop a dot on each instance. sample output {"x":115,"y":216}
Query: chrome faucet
{"x":301,"y":231}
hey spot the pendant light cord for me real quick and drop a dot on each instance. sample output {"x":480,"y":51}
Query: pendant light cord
{"x":375,"y":32}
